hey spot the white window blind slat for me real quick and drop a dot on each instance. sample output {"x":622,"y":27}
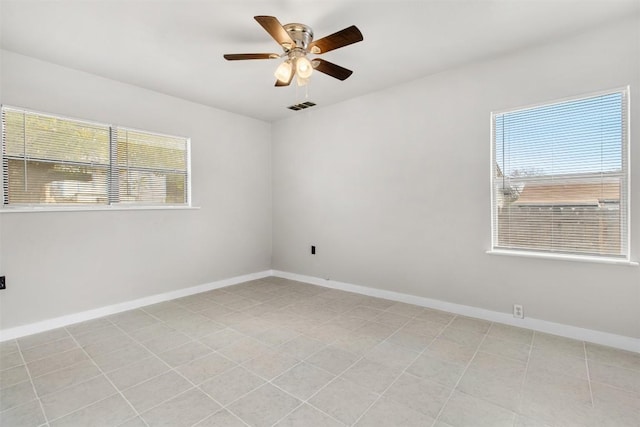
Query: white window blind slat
{"x":560,"y":177}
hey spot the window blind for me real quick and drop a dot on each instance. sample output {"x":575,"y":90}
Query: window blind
{"x":49,"y":160}
{"x":151,"y":168}
{"x":560,"y":177}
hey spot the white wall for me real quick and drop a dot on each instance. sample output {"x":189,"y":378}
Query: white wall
{"x":66,"y":262}
{"x":393,"y":187}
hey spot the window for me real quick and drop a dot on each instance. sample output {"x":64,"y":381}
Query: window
{"x":151,"y":168}
{"x":560,"y":177}
{"x":49,"y":160}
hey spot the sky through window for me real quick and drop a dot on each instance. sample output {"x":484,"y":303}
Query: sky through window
{"x":573,"y":137}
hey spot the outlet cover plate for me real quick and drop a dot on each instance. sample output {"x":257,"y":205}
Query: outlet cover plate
{"x":518,"y":311}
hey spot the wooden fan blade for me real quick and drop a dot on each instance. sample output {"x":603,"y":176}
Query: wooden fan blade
{"x":275,"y":30}
{"x":342,"y":38}
{"x":331,"y":69}
{"x":241,"y":56}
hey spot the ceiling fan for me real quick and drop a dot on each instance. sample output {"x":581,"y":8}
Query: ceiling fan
{"x":297,"y":42}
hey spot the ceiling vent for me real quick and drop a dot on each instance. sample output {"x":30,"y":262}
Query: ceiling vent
{"x":302,"y":106}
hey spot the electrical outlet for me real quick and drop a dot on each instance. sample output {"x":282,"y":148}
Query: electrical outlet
{"x":3,"y":282}
{"x":518,"y":311}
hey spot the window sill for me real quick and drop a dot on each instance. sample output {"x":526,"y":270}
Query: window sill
{"x":33,"y":209}
{"x":562,"y":257}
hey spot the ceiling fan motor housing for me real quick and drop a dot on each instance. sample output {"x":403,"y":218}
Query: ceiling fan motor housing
{"x":301,"y":34}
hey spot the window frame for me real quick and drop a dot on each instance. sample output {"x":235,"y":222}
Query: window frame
{"x":625,"y":157}
{"x":111,"y":167}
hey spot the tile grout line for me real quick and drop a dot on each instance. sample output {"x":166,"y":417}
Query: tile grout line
{"x":524,"y":378}
{"x":71,"y":385}
{"x":461,"y":376}
{"x":174,"y":369}
{"x":58,"y":370}
{"x":107,"y":378}
{"x":499,"y":356}
{"x":213,"y":351}
{"x":86,"y":406}
{"x":43,"y":343}
{"x":586,"y":362}
{"x":35,"y":393}
{"x":420,"y":353}
{"x":510,"y":341}
{"x":407,"y":367}
{"x":193,"y":339}
{"x":226,"y":407}
{"x":160,"y":320}
{"x":153,"y":354}
{"x":70,"y":335}
{"x":306,"y":401}
{"x":267,"y":381}
{"x":616,"y":387}
{"x":302,"y":401}
{"x":50,"y":354}
{"x":90,"y":359}
{"x":218,"y":411}
{"x":171,"y":369}
{"x":413,"y":317}
{"x":13,"y":366}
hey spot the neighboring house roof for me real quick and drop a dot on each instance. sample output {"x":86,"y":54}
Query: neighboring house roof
{"x":568,"y":194}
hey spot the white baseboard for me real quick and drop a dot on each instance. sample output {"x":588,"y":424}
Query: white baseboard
{"x":597,"y":337}
{"x":58,"y":322}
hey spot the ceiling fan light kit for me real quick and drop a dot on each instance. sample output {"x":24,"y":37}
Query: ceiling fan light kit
{"x":303,"y":67}
{"x":284,"y":71}
{"x":296,"y":41}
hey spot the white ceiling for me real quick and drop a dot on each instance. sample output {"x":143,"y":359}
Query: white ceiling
{"x":176,"y":47}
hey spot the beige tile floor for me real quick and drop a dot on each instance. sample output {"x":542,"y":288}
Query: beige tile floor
{"x":274,"y":352}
